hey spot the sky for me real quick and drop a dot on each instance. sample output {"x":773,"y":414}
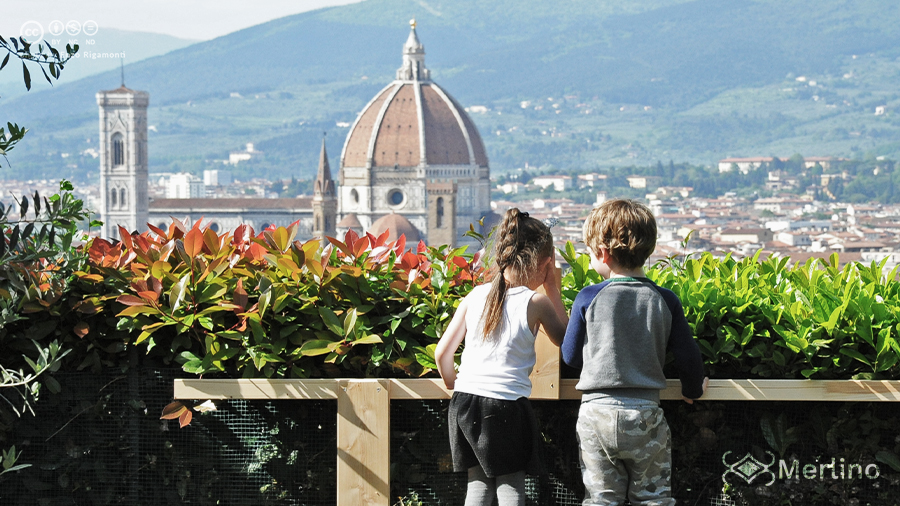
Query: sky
{"x":188,"y":19}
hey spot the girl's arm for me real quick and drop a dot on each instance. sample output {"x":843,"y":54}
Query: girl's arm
{"x":449,"y":343}
{"x":548,"y":310}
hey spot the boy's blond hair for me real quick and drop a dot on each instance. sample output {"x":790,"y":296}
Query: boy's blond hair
{"x":625,"y":227}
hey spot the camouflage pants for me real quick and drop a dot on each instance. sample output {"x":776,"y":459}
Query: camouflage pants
{"x":625,"y":452}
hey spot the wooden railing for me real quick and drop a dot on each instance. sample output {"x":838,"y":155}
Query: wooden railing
{"x":363,"y":414}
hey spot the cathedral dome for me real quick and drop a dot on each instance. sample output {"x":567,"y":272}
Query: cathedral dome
{"x":396,"y":225}
{"x":413,"y":122}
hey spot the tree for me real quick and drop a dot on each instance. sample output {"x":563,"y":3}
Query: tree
{"x":47,"y":59}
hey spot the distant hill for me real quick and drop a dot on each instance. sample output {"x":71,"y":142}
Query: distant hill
{"x":99,"y":56}
{"x":631,"y":82}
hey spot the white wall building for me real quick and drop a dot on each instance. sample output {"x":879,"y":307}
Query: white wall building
{"x":185,"y":186}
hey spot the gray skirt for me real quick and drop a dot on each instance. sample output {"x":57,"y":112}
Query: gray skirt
{"x":500,"y":436}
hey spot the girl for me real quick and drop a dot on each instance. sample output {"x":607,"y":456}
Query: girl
{"x":493,"y":431}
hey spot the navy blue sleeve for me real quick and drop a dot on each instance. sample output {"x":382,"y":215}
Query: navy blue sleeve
{"x":573,"y":343}
{"x":688,"y":360}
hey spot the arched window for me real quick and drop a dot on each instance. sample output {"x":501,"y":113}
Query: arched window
{"x":112,"y":198}
{"x":440,"y":212}
{"x":118,"y":150}
{"x":327,"y":225}
{"x":122,"y":200}
{"x":318,"y":223}
{"x":355,"y":196}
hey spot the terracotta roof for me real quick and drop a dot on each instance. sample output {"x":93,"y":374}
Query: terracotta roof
{"x":391,"y":129}
{"x":121,"y":89}
{"x":350,"y":221}
{"x":397,"y":225}
{"x":196,"y":205}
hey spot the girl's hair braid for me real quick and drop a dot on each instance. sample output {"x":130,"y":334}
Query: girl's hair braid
{"x":520,"y":243}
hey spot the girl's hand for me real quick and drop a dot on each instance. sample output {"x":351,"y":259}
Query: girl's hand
{"x":552,"y":277}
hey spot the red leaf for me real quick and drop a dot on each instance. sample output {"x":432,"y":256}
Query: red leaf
{"x":130,"y":300}
{"x":81,"y":329}
{"x":212,"y":241}
{"x":179,"y":227}
{"x":148,"y":295}
{"x":341,"y":246}
{"x":156,"y":286}
{"x":172,"y":410}
{"x":255,"y":252}
{"x":360,"y":246}
{"x":350,"y":237}
{"x":193,"y":242}
{"x":400,"y":245}
{"x":240,"y":295}
{"x":460,"y":262}
{"x":382,"y":238}
{"x":126,"y":237}
{"x":185,"y":419}
{"x":421,"y":248}
{"x":157,"y":231}
{"x":409,"y":261}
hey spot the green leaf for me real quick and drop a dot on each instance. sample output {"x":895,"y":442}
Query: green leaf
{"x":349,"y":322}
{"x":315,"y":348}
{"x":176,"y":295}
{"x":369,"y":339}
{"x":889,"y":458}
{"x":27,"y":77}
{"x":855,"y":354}
{"x":331,"y":320}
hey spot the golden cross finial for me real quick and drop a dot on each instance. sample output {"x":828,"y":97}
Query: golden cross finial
{"x":412,"y":23}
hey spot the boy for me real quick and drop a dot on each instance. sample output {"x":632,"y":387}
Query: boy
{"x":618,"y":335}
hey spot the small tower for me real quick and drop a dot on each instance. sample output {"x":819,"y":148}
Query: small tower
{"x":123,"y":160}
{"x":413,"y":68}
{"x":324,"y":199}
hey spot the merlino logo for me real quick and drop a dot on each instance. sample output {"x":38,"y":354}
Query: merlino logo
{"x":749,"y":469}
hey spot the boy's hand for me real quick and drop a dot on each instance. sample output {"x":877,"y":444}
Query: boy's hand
{"x":705,"y":386}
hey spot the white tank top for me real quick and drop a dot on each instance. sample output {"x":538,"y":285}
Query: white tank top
{"x":498,"y":368}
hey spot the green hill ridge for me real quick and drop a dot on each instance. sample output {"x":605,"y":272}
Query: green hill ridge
{"x":628,"y":83}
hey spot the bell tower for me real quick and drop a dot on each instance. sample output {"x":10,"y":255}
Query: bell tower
{"x":123,"y":160}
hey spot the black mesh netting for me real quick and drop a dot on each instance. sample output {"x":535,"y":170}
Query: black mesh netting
{"x":101,"y":442}
{"x":759,"y":435}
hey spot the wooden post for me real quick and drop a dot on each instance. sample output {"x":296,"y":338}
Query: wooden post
{"x":363,"y":443}
{"x":545,"y":375}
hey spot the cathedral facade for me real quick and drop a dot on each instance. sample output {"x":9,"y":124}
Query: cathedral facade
{"x":413,"y":163}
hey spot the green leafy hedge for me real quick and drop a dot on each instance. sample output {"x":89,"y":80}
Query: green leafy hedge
{"x":266,"y":305}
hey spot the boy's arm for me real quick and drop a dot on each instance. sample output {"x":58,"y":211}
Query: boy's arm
{"x":573,"y":342}
{"x":446,"y":348}
{"x":688,"y":360}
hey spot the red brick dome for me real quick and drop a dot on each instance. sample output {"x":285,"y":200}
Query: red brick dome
{"x":413,"y":122}
{"x":396,"y":225}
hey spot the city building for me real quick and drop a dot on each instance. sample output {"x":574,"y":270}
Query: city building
{"x":412,"y":163}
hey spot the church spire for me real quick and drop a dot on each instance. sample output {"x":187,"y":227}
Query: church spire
{"x":324,"y":202}
{"x":413,"y":68}
{"x":324,"y":186}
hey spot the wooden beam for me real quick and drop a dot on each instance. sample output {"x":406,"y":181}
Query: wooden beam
{"x":364,"y":443}
{"x":422,"y":388}
{"x":776,"y":390}
{"x":430,"y":388}
{"x":257,"y":388}
{"x":545,"y":375}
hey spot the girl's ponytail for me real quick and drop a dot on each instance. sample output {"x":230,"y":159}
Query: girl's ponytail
{"x":520,"y":242}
